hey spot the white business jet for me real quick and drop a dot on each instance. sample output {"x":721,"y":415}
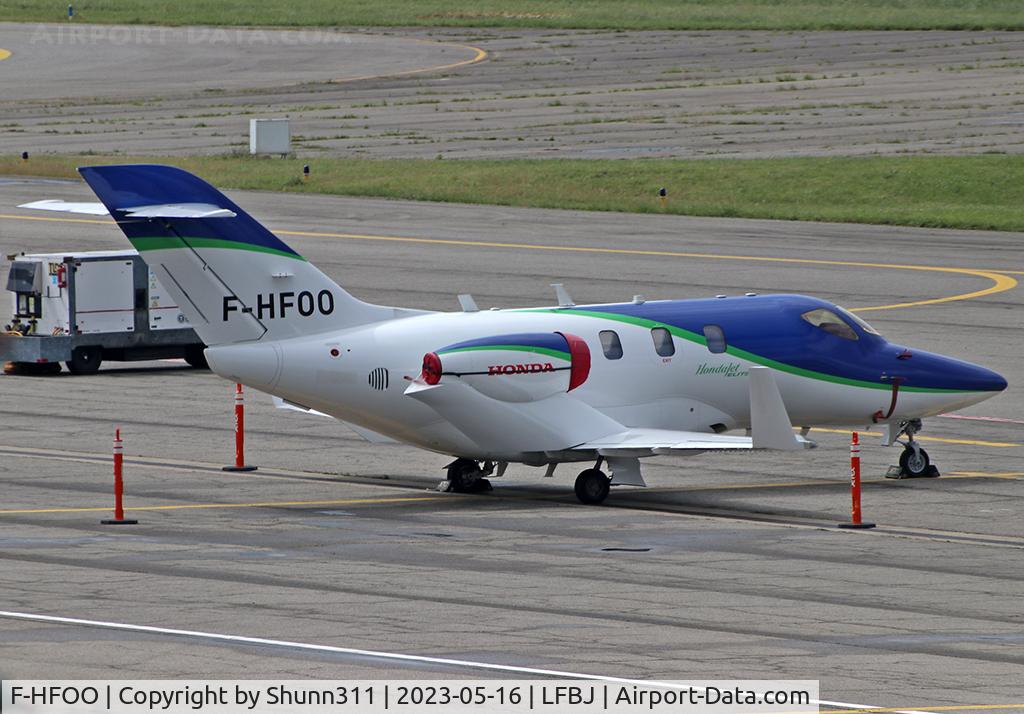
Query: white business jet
{"x":605,"y":384}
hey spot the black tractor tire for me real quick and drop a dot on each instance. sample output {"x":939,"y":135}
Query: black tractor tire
{"x":85,"y":359}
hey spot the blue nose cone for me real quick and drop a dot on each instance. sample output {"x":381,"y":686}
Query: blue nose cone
{"x":930,"y":370}
{"x":993,"y":382}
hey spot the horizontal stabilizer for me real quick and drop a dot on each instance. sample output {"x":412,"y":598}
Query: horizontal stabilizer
{"x":87,"y":208}
{"x":179,"y":210}
{"x":162,"y":210}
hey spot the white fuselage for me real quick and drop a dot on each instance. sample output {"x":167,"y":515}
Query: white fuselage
{"x":693,"y":390}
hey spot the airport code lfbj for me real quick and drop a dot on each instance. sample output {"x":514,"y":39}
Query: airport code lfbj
{"x":483,"y":696}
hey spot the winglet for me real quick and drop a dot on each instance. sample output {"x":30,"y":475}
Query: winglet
{"x":770,"y":427}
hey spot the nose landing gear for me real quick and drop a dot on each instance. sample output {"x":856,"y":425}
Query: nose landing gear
{"x":914,"y":461}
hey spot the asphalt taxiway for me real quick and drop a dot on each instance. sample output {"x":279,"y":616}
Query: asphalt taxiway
{"x":521,"y":93}
{"x":728,"y":566}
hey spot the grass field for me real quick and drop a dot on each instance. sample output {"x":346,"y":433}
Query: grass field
{"x":985,"y":192}
{"x":593,"y":14}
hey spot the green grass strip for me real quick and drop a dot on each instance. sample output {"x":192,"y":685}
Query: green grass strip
{"x":592,"y":14}
{"x":980,"y":192}
{"x":558,"y":354}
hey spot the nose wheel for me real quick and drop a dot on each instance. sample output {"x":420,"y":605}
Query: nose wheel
{"x":592,"y":487}
{"x":914,"y":461}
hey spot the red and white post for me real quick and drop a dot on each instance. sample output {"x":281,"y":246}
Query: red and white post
{"x":239,"y":433}
{"x":118,"y":519}
{"x":855,"y":521}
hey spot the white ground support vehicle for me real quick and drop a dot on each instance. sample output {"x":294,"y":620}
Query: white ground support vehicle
{"x":83,"y":308}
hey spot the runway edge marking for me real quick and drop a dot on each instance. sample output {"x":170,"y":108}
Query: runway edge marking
{"x":469,"y":664}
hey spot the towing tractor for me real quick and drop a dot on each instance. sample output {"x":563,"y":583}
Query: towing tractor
{"x":84,"y":308}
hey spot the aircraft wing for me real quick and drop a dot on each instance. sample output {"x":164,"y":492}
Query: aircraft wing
{"x":664,"y":441}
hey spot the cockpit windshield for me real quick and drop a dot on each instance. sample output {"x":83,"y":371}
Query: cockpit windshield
{"x":860,"y":321}
{"x":831,"y":323}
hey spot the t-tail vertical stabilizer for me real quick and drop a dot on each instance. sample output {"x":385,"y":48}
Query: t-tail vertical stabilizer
{"x":233,"y":279}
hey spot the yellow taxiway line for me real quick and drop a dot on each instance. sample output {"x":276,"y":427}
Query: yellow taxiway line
{"x":1001,"y":282}
{"x":969,"y":442}
{"x":263,"y":504}
{"x":478,"y":57}
{"x":845,"y":483}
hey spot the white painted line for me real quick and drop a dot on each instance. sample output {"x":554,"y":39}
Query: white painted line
{"x":998,"y":420}
{"x":241,"y":639}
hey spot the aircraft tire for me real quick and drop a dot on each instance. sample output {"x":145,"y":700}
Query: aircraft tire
{"x":463,"y":474}
{"x":914,"y":465}
{"x":592,"y":487}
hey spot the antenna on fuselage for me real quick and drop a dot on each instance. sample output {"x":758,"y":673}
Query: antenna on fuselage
{"x":564,"y":298}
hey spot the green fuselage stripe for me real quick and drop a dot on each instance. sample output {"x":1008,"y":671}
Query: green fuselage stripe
{"x":512,"y":348}
{"x":168,"y":243}
{"x":748,"y":356}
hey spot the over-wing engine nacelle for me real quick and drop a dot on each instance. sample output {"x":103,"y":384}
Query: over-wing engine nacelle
{"x":513,"y":368}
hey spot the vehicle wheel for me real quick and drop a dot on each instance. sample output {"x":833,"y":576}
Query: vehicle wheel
{"x":85,"y":360}
{"x":195,"y":357}
{"x":592,"y":487}
{"x":914,"y":465}
{"x":463,"y":474}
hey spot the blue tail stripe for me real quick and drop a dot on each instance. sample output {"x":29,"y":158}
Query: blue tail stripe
{"x":131,"y":185}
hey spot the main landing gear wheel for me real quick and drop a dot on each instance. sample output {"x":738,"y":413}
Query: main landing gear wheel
{"x":916,"y":464}
{"x":85,"y":360}
{"x":466,"y":476}
{"x":592,"y":487}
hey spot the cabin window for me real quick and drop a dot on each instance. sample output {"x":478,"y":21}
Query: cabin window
{"x":715,"y":338}
{"x":610,"y":344}
{"x":830,"y":322}
{"x":663,"y":343}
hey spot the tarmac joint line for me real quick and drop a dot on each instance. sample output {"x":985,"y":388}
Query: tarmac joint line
{"x":263,"y":504}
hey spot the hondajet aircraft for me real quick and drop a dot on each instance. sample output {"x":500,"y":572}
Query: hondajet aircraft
{"x":607,"y":384}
